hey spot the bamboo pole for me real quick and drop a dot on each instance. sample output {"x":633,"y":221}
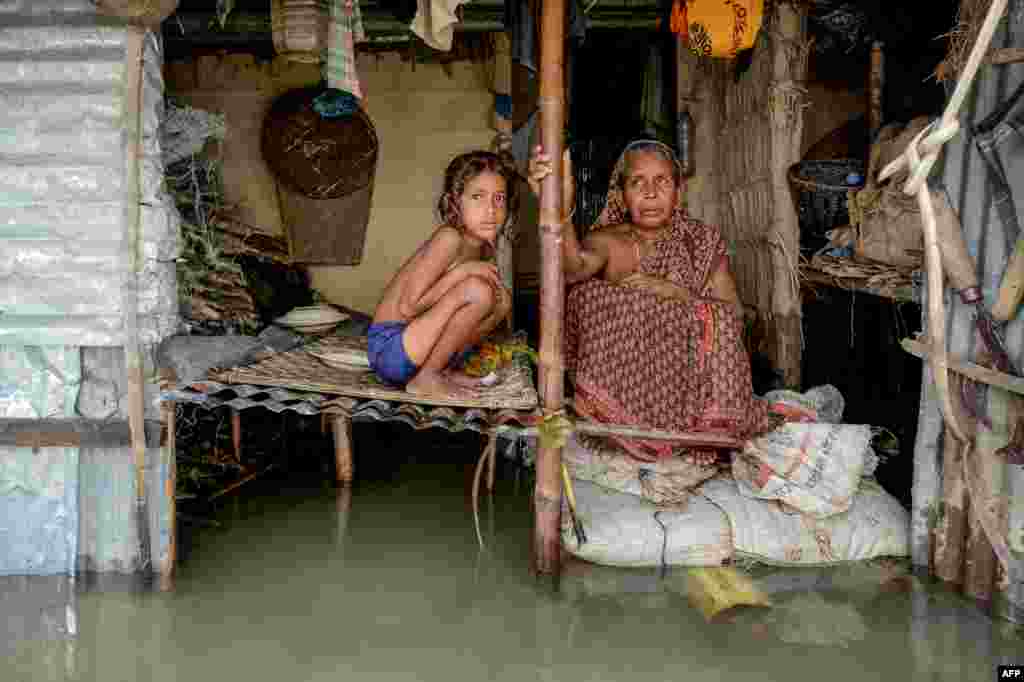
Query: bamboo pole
{"x":876,"y":84}
{"x":548,"y":489}
{"x":169,"y":451}
{"x":951,"y":526}
{"x":133,"y":260}
{"x":786,"y":128}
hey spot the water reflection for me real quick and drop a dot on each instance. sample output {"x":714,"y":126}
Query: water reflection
{"x":302,"y":581}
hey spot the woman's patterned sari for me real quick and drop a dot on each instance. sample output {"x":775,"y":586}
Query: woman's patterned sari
{"x":640,"y":360}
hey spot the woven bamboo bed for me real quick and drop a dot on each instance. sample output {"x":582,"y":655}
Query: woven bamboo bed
{"x":301,"y":369}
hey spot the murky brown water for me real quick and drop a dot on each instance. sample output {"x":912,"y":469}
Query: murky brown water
{"x":302,"y":582}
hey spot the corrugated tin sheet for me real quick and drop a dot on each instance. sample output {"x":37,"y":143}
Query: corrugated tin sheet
{"x":966,"y":179}
{"x":38,"y":489}
{"x":62,"y":192}
{"x":211,"y":395}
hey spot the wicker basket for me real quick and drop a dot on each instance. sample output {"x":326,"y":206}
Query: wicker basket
{"x":147,"y":13}
{"x":300,"y":29}
{"x":321,"y":158}
{"x":326,"y":168}
{"x":820,"y":190}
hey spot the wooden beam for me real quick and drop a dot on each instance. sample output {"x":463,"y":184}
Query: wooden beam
{"x":548,"y":491}
{"x":73,"y":433}
{"x":984,"y":375}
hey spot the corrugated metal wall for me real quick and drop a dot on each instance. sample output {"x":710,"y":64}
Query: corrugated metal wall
{"x":61,"y":181}
{"x":62,"y":270}
{"x":966,"y":179}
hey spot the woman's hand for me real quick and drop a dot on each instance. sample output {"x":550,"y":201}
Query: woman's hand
{"x":540,"y":167}
{"x":657,"y":286}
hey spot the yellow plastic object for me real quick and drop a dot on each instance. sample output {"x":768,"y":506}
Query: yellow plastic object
{"x":715,"y":589}
{"x":713,"y":28}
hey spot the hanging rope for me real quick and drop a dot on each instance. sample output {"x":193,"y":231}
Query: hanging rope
{"x":918,"y":159}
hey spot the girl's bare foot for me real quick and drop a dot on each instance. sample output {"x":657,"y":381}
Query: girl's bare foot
{"x":433,"y":383}
{"x":463,"y":380}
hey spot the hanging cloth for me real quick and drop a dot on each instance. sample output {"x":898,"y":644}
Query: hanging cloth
{"x":345,"y":30}
{"x":713,"y":28}
{"x":435,"y":22}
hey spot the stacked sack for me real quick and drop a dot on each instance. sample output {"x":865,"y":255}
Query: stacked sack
{"x":803,"y":494}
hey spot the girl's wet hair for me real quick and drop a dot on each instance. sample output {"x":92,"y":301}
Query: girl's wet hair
{"x":654,"y":147}
{"x":462,"y":169}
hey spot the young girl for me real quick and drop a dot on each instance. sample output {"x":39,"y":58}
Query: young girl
{"x":447,"y":297}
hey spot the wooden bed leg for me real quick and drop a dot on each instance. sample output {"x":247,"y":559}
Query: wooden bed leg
{"x":341,"y":426}
{"x":236,"y":433}
{"x":492,"y":462}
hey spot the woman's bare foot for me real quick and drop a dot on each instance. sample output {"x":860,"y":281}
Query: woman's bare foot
{"x":433,"y":383}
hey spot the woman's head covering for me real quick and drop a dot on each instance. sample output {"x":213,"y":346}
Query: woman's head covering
{"x":615,"y":211}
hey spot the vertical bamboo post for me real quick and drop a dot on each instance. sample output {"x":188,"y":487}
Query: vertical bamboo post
{"x":950,"y":529}
{"x":980,"y":563}
{"x":548,"y":490}
{"x":876,"y":84}
{"x":786,"y":118}
{"x":132,"y":142}
{"x":169,"y":448}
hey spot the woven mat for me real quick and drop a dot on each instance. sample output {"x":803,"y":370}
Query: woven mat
{"x":299,"y":370}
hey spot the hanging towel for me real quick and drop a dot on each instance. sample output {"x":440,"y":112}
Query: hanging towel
{"x":714,"y":28}
{"x":346,"y":29}
{"x":435,"y":22}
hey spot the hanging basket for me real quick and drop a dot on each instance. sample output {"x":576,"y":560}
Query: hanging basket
{"x":148,"y":13}
{"x":820,"y":189}
{"x":300,"y":29}
{"x":317,"y":156}
{"x":325,"y":164}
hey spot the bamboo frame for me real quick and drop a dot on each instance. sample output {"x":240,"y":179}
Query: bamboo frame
{"x":548,"y":490}
{"x":133,"y":357}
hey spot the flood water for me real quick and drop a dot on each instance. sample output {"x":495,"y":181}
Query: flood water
{"x":385,"y":582}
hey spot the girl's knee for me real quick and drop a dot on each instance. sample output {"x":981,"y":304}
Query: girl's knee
{"x":478,"y":290}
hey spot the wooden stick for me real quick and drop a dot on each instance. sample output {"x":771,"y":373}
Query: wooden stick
{"x":693,"y":440}
{"x":130,"y":301}
{"x":548,"y":489}
{"x":240,"y":482}
{"x":978,"y":373}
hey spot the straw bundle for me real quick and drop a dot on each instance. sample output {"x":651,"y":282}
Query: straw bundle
{"x":148,"y":13}
{"x":300,"y":29}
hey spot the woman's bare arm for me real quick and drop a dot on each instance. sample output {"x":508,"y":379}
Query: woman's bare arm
{"x":723,"y":286}
{"x":586,"y":260}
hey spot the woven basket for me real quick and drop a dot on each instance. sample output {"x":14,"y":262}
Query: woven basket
{"x":820,"y":190}
{"x":147,"y":13}
{"x":321,"y":158}
{"x":300,"y":29}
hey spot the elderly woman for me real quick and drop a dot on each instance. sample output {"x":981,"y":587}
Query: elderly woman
{"x":654,"y":323}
